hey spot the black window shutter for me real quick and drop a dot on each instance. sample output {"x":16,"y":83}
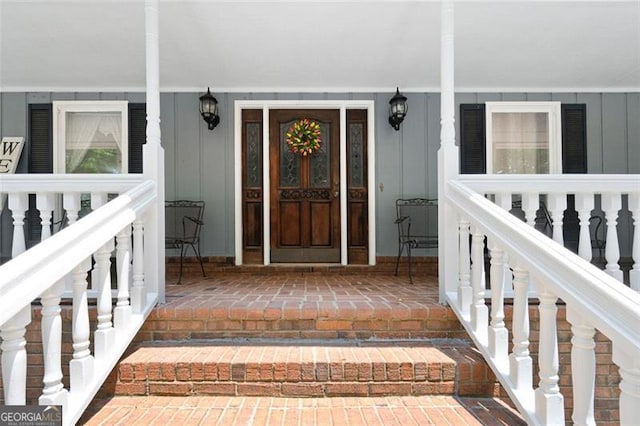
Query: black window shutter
{"x":137,"y":135}
{"x":574,"y":138}
{"x":40,"y":161}
{"x":40,"y":138}
{"x":472,"y":139}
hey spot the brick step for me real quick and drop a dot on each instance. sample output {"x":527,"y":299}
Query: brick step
{"x":304,"y":369}
{"x":219,"y":312}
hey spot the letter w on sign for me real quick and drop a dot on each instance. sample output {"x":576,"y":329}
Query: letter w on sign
{"x":10,"y":150}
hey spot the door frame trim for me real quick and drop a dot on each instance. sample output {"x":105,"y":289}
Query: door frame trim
{"x":342,"y":106}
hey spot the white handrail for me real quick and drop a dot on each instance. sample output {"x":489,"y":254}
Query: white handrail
{"x":32,"y":183}
{"x":611,"y":305}
{"x":546,"y":183}
{"x":21,"y":278}
{"x":41,"y":272}
{"x":594,"y":301}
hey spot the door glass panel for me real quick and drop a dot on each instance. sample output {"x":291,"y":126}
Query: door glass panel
{"x":289,"y":161}
{"x":356,"y":157}
{"x":254,"y":155}
{"x":320,"y":176}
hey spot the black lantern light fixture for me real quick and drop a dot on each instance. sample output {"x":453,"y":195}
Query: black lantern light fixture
{"x":209,"y":109}
{"x":397,"y":109}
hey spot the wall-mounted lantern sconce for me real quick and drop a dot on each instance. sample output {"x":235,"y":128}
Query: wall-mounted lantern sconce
{"x":397,"y":109}
{"x":209,"y":109}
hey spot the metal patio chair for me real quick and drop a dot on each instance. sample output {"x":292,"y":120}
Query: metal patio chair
{"x":417,"y":221}
{"x":183,"y":222}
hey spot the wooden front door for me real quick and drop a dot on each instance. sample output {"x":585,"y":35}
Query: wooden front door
{"x":305,"y":191}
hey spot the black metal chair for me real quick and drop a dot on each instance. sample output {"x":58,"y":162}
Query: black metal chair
{"x":183,"y":222}
{"x":417,"y":221}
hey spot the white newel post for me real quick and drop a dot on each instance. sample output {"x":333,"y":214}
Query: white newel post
{"x":629,"y":364}
{"x":14,"y":357}
{"x":53,"y":392}
{"x":557,"y":205}
{"x":521,"y":364}
{"x":153,"y":158}
{"x":447,"y":157}
{"x":583,"y":368}
{"x":18,"y":204}
{"x":122,"y":311}
{"x":634,"y":208}
{"x":584,"y":205}
{"x":465,"y":295}
{"x":81,"y":366}
{"x":611,"y":204}
{"x":549,"y":400}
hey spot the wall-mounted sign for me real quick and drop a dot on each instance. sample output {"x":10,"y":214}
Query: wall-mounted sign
{"x":10,"y":150}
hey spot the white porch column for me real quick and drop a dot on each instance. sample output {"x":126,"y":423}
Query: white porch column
{"x":447,"y":157}
{"x":153,"y":158}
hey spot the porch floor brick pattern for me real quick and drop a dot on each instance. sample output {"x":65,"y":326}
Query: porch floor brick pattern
{"x":302,"y":305}
{"x":352,"y":411}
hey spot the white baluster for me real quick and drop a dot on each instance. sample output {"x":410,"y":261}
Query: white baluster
{"x":583,"y":368}
{"x":530,"y":205}
{"x":611,"y":204}
{"x":498,"y":333}
{"x":98,"y":199}
{"x":122,"y":312}
{"x":53,"y":392}
{"x":14,"y":357}
{"x":629,"y":366}
{"x":18,"y":204}
{"x":71,"y":204}
{"x":521,"y":365}
{"x":634,"y":208}
{"x":105,"y":334}
{"x":464,"y":263}
{"x":584,"y":206}
{"x":557,"y":204}
{"x":137,"y":291}
{"x":479,"y":311}
{"x":81,"y":366}
{"x":45,"y":203}
{"x":549,"y":400}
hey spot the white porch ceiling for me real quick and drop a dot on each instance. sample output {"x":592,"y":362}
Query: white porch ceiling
{"x":320,"y":46}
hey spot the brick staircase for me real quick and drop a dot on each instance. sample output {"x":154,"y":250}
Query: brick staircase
{"x":309,"y":336}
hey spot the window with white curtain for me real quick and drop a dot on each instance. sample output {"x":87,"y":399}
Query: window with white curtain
{"x":524,"y":137}
{"x":90,"y":137}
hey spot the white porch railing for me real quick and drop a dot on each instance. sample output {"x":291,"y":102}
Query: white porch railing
{"x":42,"y":271}
{"x":523,"y":258}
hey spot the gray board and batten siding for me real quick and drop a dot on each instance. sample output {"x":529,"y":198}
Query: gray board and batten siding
{"x":199,"y":163}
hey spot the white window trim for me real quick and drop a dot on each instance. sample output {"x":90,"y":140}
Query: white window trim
{"x":553,"y":111}
{"x":60,"y":108}
{"x":343,"y":106}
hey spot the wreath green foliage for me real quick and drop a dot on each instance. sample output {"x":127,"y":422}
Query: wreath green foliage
{"x":304,"y":137}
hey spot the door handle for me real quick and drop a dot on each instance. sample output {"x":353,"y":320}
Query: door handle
{"x":336,"y":191}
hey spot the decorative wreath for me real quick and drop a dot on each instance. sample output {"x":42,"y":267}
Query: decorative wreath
{"x":304,"y":137}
